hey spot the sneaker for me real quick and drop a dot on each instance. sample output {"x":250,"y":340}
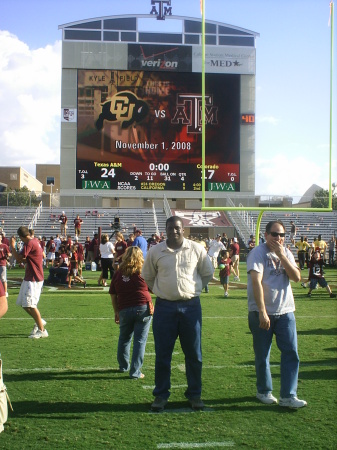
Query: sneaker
{"x":85,"y":284}
{"x":206,"y":290}
{"x":309,"y":294}
{"x":292,"y":402}
{"x":141,"y":377}
{"x":196,"y":403}
{"x":36,"y":328}
{"x":158,"y":404}
{"x":236,"y":279}
{"x":267,"y":399}
{"x":303,"y":285}
{"x":39,"y":334}
{"x":332,"y":295}
{"x":226,"y":294}
{"x":6,"y":294}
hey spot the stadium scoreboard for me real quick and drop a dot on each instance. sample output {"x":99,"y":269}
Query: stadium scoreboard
{"x":141,"y":128}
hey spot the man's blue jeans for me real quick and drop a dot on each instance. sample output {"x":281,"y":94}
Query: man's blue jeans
{"x":284,"y":329}
{"x":172,"y":319}
{"x":134,"y":321}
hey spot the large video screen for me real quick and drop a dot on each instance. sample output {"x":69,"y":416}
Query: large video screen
{"x":142,"y":130}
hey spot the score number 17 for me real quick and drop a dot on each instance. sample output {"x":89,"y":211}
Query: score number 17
{"x":208,"y":174}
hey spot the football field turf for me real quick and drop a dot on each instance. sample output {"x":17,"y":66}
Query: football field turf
{"x":67,"y":393}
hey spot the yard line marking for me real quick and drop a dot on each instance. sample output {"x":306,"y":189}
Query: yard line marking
{"x":60,"y":318}
{"x":187,"y":410}
{"x":112,"y":318}
{"x":149,"y":367}
{"x":197,"y":444}
{"x":175,"y":386}
{"x":153,"y":354}
{"x":60,"y":369}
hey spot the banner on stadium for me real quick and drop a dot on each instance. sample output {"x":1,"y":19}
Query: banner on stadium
{"x":68,"y":115}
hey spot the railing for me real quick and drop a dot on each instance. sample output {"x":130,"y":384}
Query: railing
{"x":167,"y":208}
{"x":36,"y":216}
{"x":240,"y":222}
{"x":249,"y":220}
{"x":155,"y":218}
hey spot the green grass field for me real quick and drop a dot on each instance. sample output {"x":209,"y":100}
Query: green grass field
{"x":67,"y":393}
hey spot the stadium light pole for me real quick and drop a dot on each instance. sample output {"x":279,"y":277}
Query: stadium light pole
{"x":51,"y":194}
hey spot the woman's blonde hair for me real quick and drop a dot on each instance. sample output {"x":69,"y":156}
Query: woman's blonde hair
{"x":132,"y":261}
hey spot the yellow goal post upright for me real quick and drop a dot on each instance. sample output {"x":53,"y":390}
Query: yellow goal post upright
{"x":251,"y":208}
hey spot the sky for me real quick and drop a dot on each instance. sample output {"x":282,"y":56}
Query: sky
{"x":292,"y":82}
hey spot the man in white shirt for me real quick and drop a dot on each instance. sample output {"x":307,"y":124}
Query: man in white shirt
{"x":270,"y":267}
{"x":214,"y":249}
{"x":176,"y":271}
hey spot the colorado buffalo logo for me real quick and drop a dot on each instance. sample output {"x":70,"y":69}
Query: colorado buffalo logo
{"x":123,"y":107}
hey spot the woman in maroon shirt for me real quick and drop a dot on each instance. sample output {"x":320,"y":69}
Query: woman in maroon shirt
{"x":3,"y":300}
{"x":133,"y":308}
{"x":120,"y":247}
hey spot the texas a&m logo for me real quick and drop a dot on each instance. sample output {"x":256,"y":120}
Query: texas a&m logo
{"x":188,"y":112}
{"x":163,"y":10}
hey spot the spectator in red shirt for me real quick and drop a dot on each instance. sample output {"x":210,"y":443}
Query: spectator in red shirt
{"x":316,"y":274}
{"x":120,"y":247}
{"x":4,"y":239}
{"x":93,"y":248}
{"x":234,"y":253}
{"x":3,"y":301}
{"x":63,"y":222}
{"x":80,"y":253}
{"x":86,"y":247}
{"x":32,"y":283}
{"x":225,"y":266}
{"x":50,"y":249}
{"x":77,"y":223}
{"x":4,"y":255}
{"x":73,"y":271}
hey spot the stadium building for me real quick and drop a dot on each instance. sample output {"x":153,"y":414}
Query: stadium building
{"x":131,"y":111}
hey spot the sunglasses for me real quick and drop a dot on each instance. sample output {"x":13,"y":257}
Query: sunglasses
{"x":274,"y":234}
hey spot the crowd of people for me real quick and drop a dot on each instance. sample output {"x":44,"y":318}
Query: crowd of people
{"x":176,"y":270}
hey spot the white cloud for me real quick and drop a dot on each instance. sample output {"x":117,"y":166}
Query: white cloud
{"x":281,"y":175}
{"x":30,"y":103}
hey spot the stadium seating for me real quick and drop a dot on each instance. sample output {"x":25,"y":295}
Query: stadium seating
{"x":48,"y":223}
{"x":307,"y":224}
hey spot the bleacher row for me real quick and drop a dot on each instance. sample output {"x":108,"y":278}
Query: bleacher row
{"x":307,"y":224}
{"x":48,"y":222}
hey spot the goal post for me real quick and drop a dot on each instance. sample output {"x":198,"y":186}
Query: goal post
{"x":261,"y":210}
